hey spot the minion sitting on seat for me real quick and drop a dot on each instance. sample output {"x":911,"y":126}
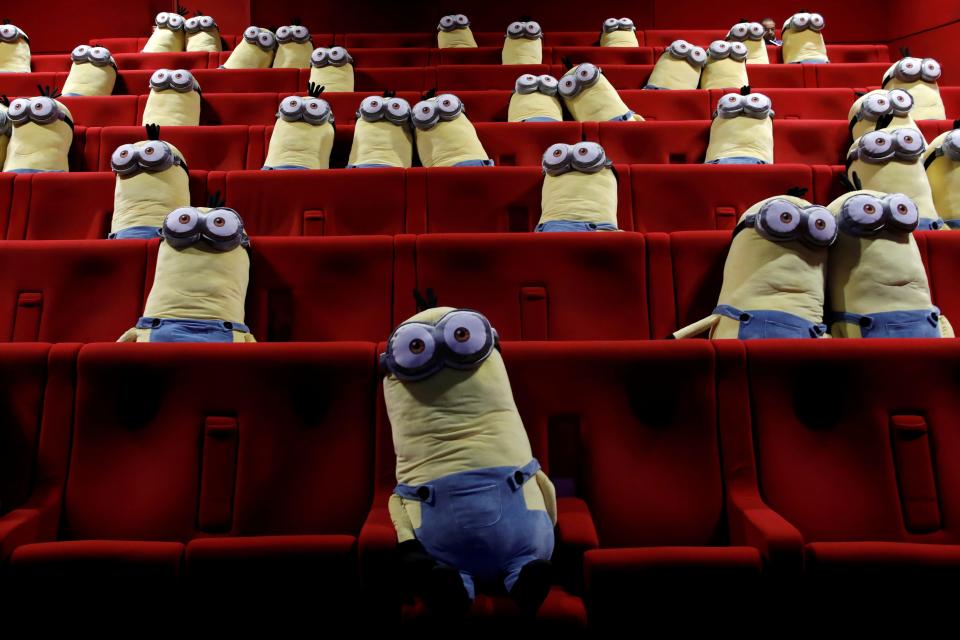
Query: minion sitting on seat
{"x":726,"y":66}
{"x":942,"y":164}
{"x":14,"y":50}
{"x":678,"y":67}
{"x":522,"y":43}
{"x":42,"y":134}
{"x":203,"y":34}
{"x":751,"y":35}
{"x":168,"y":33}
{"x":332,"y":68}
{"x":579,"y":189}
{"x":255,"y":51}
{"x":919,"y":77}
{"x":303,"y":135}
{"x":383,"y":135}
{"x":590,"y":97}
{"x":174,"y":99}
{"x":454,"y":32}
{"x":869,"y":108}
{"x":445,"y":136}
{"x":618,"y":33}
{"x":534,"y":99}
{"x":802,"y":40}
{"x":295,"y":47}
{"x":93,"y":72}
{"x":6,"y":127}
{"x":742,"y":130}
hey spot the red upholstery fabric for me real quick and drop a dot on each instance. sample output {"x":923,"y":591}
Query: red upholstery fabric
{"x":512,"y":144}
{"x":699,"y":37}
{"x":941,"y":257}
{"x":603,"y":55}
{"x":669,"y":105}
{"x":352,"y":40}
{"x":889,"y":560}
{"x":850,"y":75}
{"x":7,"y":181}
{"x":387,"y":78}
{"x":235,"y":108}
{"x":655,"y":142}
{"x":104,"y":111}
{"x":391,"y":57}
{"x":98,"y":559}
{"x":696,"y":270}
{"x":326,"y":560}
{"x":222,"y":148}
{"x":491,"y":76}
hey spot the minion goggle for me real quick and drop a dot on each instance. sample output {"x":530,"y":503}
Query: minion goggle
{"x":864,"y":215}
{"x":427,"y":113}
{"x":376,"y":108}
{"x":200,"y":23}
{"x":913,"y":69}
{"x":585,"y":157}
{"x":721,"y":50}
{"x":310,"y":110}
{"x":10,"y":34}
{"x":804,"y":21}
{"x":293,"y":33}
{"x":880,"y":147}
{"x":220,"y":229}
{"x":260,"y":38}
{"x":529,"y":30}
{"x":873,"y":107}
{"x":529,"y":83}
{"x":155,"y":156}
{"x":746,"y":31}
{"x":586,"y":75}
{"x":780,"y":220}
{"x":614,"y":24}
{"x":180,"y":80}
{"x":453,"y":22}
{"x":171,"y":21}
{"x":683,"y":50}
{"x":41,"y":110}
{"x":752,"y":105}
{"x":97,"y":56}
{"x":333,"y":57}
{"x":950,"y":148}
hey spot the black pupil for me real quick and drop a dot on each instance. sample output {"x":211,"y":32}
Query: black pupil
{"x":416,"y":345}
{"x":219,"y":222}
{"x":902,"y":208}
{"x":461,"y":334}
{"x":184,"y":219}
{"x":785,"y":217}
{"x":820,"y":224}
{"x":869,"y":208}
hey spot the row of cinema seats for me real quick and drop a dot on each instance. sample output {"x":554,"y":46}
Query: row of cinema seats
{"x":508,"y":144}
{"x":459,"y":77}
{"x":651,"y":198}
{"x":682,"y":469}
{"x":423,"y":57}
{"x":481,"y":106}
{"x":625,"y":286}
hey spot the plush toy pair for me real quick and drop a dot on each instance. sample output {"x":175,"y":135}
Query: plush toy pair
{"x":41,"y":134}
{"x":579,"y":189}
{"x":173,"y":32}
{"x":742,"y":129}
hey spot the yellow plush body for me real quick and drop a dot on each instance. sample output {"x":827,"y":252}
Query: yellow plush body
{"x":204,"y":41}
{"x":741,"y":136}
{"x":597,"y":103}
{"x":333,"y":79}
{"x":580,"y":197}
{"x":533,"y":105}
{"x":522,"y":51}
{"x":90,"y":80}
{"x":894,"y":176}
{"x":927,"y":102}
{"x":763,"y":275}
{"x":171,"y":108}
{"x":449,"y":142}
{"x":145,"y":199}
{"x":300,"y":144}
{"x":943,"y":174}
{"x":381,"y":142}
{"x":722,"y":74}
{"x":456,"y":39}
{"x":249,"y":56}
{"x":799,"y":46}
{"x":672,"y":73}
{"x":756,"y":52}
{"x":619,"y":39}
{"x":43,"y":147}
{"x":15,"y":56}
{"x":864,"y":126}
{"x":165,"y":40}
{"x":294,"y":55}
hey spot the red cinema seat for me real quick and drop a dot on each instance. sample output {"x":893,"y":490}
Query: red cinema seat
{"x":858,"y":53}
{"x":578,"y":38}
{"x":318,"y":203}
{"x":697,"y":197}
{"x":377,"y":79}
{"x":567,"y":286}
{"x":152,"y":61}
{"x":235,"y":108}
{"x":388,"y":40}
{"x":391,"y":57}
{"x":485,"y":106}
{"x":492,"y":55}
{"x":17,"y":85}
{"x":103,"y":111}
{"x":120,"y":45}
{"x":248,"y":80}
{"x":321,"y":289}
{"x":522,"y":144}
{"x":669,"y":105}
{"x":942,"y":254}
{"x":699,"y":37}
{"x":621,"y":76}
{"x":603,"y":55}
{"x":50,"y":63}
{"x":70,"y":291}
{"x":850,"y":75}
{"x":951,"y":101}
{"x":802,"y":104}
{"x":810,"y":141}
{"x":783,"y":76}
{"x":222,"y":148}
{"x":451,"y":78}
{"x":7,"y":181}
{"x":655,"y":142}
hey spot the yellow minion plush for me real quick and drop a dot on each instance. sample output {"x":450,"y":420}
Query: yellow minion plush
{"x":200,"y":285}
{"x":919,"y":77}
{"x":332,"y":68}
{"x":534,"y":99}
{"x":152,"y":180}
{"x":168,"y":33}
{"x":751,"y":35}
{"x":454,"y":32}
{"x":869,"y":108}
{"x":383,"y":135}
{"x":742,"y":130}
{"x":726,"y":66}
{"x":255,"y":51}
{"x":773,"y":279}
{"x":6,"y":127}
{"x":579,"y":189}
{"x":878,"y":286}
{"x":174,"y":99}
{"x":445,"y":136}
{"x":891,"y":161}
{"x":42,"y":134}
{"x":295,"y":47}
{"x":471,"y":503}
{"x":14,"y":50}
{"x":93,"y":72}
{"x":203,"y":34}
{"x":523,"y":43}
{"x":618,"y":33}
{"x":678,"y":67}
{"x":942,"y":163}
{"x":591,"y":98}
{"x":802,"y":40}
{"x":303,"y":135}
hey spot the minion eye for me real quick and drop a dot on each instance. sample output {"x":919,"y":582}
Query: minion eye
{"x":515,"y":29}
{"x":588,"y":157}
{"x":447,"y":22}
{"x":413,"y":346}
{"x":738,"y":51}
{"x":8,"y":32}
{"x":159,"y":78}
{"x":266,"y":40}
{"x":756,"y":30}
{"x":283,"y":34}
{"x":903,"y":212}
{"x":19,"y":109}
{"x":740,"y":31}
{"x":930,"y":70}
{"x":80,"y":52}
{"x":877,"y":146}
{"x":821,"y":226}
{"x":251,"y":33}
{"x":778,"y":220}
{"x":181,"y":222}
{"x":222,"y":223}
{"x":816,"y":21}
{"x":863,"y":213}
{"x":43,"y":109}
{"x":532,"y":28}
{"x":464,"y":333}
{"x":568,"y":86}
{"x":175,"y":21}
{"x":462,"y":20}
{"x":610,"y":24}
{"x":162,"y":18}
{"x":206,"y":22}
{"x":124,"y":160}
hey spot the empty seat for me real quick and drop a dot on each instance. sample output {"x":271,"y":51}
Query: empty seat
{"x":699,"y":37}
{"x":16,"y":85}
{"x":480,"y":55}
{"x":655,"y":142}
{"x":603,"y":55}
{"x":104,"y":111}
{"x":387,"y":40}
{"x":6,"y":197}
{"x":391,"y":57}
{"x":468,"y":76}
{"x":522,"y":144}
{"x":378,"y":79}
{"x":234,"y":108}
{"x":153,"y":61}
{"x":669,"y":105}
{"x":850,"y":75}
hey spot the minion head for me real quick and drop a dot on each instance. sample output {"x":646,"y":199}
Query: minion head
{"x":332,"y":67}
{"x":383,"y":134}
{"x":579,"y":185}
{"x":942,"y":164}
{"x":751,"y":35}
{"x":453,"y":32}
{"x":802,"y":40}
{"x":168,"y":34}
{"x":726,"y":65}
{"x":255,"y":51}
{"x":618,"y":32}
{"x":523,"y":43}
{"x":445,"y":135}
{"x":93,"y":72}
{"x":174,"y":99}
{"x":678,"y":67}
{"x":294,"y":47}
{"x":42,"y":134}
{"x":203,"y":34}
{"x":535,"y":99}
{"x":303,"y":135}
{"x":742,"y":127}
{"x":14,"y":50}
{"x":590,"y":97}
{"x":919,"y":77}
{"x":894,"y":106}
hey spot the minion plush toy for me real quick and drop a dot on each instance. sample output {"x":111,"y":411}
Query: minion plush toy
{"x":454,"y":32}
{"x":445,"y":136}
{"x":200,"y":284}
{"x":534,"y":99}
{"x":6,"y":126}
{"x":751,"y":35}
{"x":471,"y":506}
{"x":383,"y":135}
{"x":14,"y":50}
{"x":919,"y":77}
{"x":878,"y":286}
{"x":618,"y":33}
{"x":591,"y":98}
{"x":42,"y":134}
{"x":168,"y":33}
{"x":152,"y":180}
{"x":303,"y":135}
{"x":890,"y":161}
{"x":294,"y":49}
{"x":726,"y":66}
{"x":942,"y":163}
{"x":678,"y":67}
{"x":203,"y":34}
{"x":869,"y":108}
{"x":773,"y":280}
{"x":802,"y":40}
{"x":174,"y":99}
{"x":742,"y":129}
{"x":523,"y":43}
{"x":579,"y":189}
{"x":93,"y":72}
{"x":332,"y":68}
{"x":255,"y":51}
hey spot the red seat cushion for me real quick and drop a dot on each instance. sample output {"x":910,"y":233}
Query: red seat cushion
{"x":98,"y":559}
{"x":328,"y":559}
{"x":882,"y":559}
{"x":515,"y":144}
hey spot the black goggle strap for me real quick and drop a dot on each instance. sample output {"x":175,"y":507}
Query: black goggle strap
{"x":750,"y":221}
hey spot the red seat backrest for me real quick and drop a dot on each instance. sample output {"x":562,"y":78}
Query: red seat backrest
{"x":476,"y":77}
{"x":485,"y":106}
{"x":604,"y":55}
{"x":391,"y":57}
{"x":522,"y":144}
{"x":699,"y":37}
{"x":655,"y":142}
{"x":191,"y":60}
{"x":943,"y":263}
{"x":850,"y":75}
{"x":204,"y":148}
{"x":810,"y":141}
{"x":669,"y":105}
{"x":391,"y":40}
{"x":236,"y":108}
{"x":104,"y":111}
{"x":378,"y":79}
